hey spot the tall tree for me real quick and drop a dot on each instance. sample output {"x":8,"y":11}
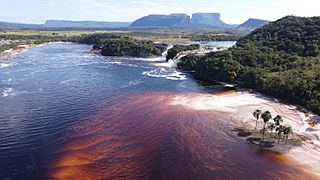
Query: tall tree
{"x":266,"y":116}
{"x":279,"y":130}
{"x":286,"y":132}
{"x":271,"y":127}
{"x":257,"y":114}
{"x":278,"y":120}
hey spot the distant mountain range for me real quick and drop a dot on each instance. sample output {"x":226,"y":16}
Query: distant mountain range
{"x":85,"y":24}
{"x":7,"y":25}
{"x":198,"y":20}
{"x":208,"y":20}
{"x":253,"y":23}
{"x":63,"y":24}
{"x":162,"y":21}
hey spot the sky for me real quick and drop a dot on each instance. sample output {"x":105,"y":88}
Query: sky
{"x":232,"y":11}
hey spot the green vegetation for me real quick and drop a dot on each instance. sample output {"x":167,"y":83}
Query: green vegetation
{"x":35,"y":39}
{"x":127,"y":47}
{"x":266,"y":116}
{"x":281,"y":131}
{"x":117,"y":45}
{"x":281,"y":59}
{"x":95,"y":39}
{"x":176,"y":49}
{"x":5,"y":47}
{"x":13,"y":40}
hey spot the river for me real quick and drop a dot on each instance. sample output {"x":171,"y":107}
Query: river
{"x":65,"y":112}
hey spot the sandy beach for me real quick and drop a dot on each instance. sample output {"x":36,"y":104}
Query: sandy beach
{"x":238,"y":108}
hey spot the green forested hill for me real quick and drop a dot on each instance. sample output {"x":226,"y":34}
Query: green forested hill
{"x":281,"y":59}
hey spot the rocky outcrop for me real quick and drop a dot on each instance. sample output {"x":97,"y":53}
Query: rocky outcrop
{"x":172,"y":20}
{"x":198,"y":20}
{"x":208,"y":20}
{"x":253,"y":23}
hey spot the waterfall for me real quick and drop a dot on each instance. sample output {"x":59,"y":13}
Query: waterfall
{"x":165,"y":53}
{"x":173,"y":62}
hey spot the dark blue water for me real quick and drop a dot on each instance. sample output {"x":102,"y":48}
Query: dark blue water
{"x":49,"y":88}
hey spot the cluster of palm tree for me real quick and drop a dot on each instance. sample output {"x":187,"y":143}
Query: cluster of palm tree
{"x":275,"y":128}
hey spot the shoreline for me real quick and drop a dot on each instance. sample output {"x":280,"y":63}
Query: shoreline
{"x":12,"y":52}
{"x":238,"y":107}
{"x":24,"y":47}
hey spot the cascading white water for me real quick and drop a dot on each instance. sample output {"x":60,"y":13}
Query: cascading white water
{"x":173,"y":62}
{"x":165,"y":53}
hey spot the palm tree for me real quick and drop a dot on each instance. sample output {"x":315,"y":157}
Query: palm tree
{"x":278,"y":120}
{"x":263,"y":132}
{"x":287,"y":131}
{"x":271,"y":127}
{"x":256,"y":114}
{"x":279,"y":130}
{"x":266,"y":116}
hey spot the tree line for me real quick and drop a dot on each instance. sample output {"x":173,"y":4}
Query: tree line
{"x":274,"y":129}
{"x":280,"y":59}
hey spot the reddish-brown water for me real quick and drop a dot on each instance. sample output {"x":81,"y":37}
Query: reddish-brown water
{"x":146,"y":137}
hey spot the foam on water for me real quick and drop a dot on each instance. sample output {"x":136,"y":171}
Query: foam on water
{"x":165,"y":73}
{"x":69,"y":81}
{"x":170,"y":64}
{"x":11,"y":92}
{"x":151,"y":59}
{"x":8,"y":92}
{"x":155,"y":59}
{"x":115,"y":62}
{"x":4,"y":65}
{"x":132,"y":83}
{"x":8,"y":81}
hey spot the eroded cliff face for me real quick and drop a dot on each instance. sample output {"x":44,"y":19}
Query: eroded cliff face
{"x":208,"y":20}
{"x":172,"y":20}
{"x":253,"y":23}
{"x":181,"y":20}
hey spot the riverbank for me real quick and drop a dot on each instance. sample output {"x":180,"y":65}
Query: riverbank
{"x":261,"y":61}
{"x":180,"y":129}
{"x":23,"y":48}
{"x":14,"y":51}
{"x":238,"y":107}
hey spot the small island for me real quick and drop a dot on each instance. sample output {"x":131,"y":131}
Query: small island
{"x":125,"y":46}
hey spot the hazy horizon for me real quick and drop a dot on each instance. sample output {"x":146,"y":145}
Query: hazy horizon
{"x":232,"y":12}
